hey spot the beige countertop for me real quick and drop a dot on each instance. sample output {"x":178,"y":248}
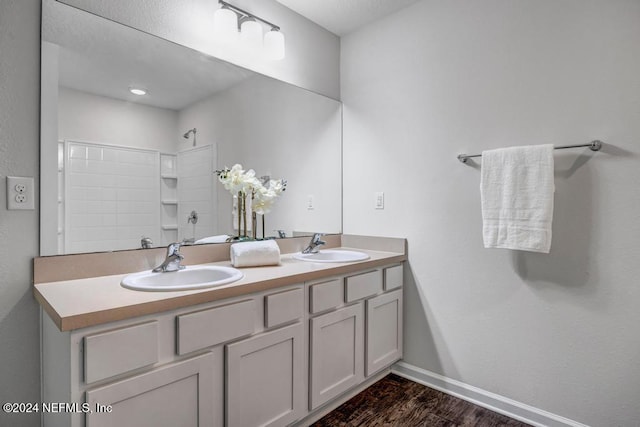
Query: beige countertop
{"x":79,"y":303}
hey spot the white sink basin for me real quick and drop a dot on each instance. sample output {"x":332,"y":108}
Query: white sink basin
{"x":189,"y":278}
{"x":331,"y":255}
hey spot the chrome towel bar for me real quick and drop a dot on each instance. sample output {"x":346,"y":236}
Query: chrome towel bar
{"x":595,"y":145}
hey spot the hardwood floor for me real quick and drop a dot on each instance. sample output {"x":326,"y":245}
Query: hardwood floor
{"x":396,"y":401}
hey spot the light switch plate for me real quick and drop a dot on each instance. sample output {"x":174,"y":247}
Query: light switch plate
{"x":20,"y":193}
{"x":379,"y":200}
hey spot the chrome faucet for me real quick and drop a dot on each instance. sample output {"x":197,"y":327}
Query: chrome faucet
{"x":314,"y":244}
{"x":172,"y":261}
{"x":146,"y":242}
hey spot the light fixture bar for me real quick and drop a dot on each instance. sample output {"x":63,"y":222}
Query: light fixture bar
{"x":246,"y":14}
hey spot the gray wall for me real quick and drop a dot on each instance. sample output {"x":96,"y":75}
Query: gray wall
{"x":19,"y":141}
{"x":279,"y":122}
{"x":442,"y":77}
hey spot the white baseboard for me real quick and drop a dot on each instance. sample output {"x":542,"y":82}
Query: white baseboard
{"x":503,"y":405}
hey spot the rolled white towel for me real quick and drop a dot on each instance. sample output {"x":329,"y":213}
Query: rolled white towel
{"x":252,"y":254}
{"x":213,"y":239}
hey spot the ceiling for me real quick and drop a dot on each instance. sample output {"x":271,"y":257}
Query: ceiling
{"x":101,"y":57}
{"x":105,"y":58}
{"x":341,"y":17}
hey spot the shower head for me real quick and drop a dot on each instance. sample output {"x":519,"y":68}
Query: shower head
{"x":191,"y":131}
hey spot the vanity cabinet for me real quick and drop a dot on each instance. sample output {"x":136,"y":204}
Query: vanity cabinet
{"x":179,"y":394}
{"x":264,"y":378}
{"x":275,"y":357}
{"x":384,"y":331}
{"x":355,"y":330}
{"x":185,"y":367}
{"x":336,"y":353}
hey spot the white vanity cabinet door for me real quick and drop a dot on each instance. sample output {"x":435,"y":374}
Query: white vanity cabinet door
{"x":264,"y":378}
{"x":179,"y":394}
{"x":336,"y":353}
{"x":384,"y":331}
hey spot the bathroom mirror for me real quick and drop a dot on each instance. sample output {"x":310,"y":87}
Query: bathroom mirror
{"x":118,"y":167}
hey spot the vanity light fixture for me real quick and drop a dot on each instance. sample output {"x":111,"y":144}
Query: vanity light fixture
{"x":233,"y":24}
{"x":137,"y":90}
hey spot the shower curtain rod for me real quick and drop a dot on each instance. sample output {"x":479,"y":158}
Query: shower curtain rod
{"x":595,"y":145}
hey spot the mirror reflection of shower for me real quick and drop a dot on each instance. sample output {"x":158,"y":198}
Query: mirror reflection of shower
{"x":191,"y":219}
{"x":189,"y":132}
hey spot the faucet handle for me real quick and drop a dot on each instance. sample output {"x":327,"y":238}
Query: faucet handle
{"x":316,"y":239}
{"x":314,"y":243}
{"x":146,"y":242}
{"x":174,"y":250}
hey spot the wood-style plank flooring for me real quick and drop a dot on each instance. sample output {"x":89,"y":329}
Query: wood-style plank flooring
{"x":396,"y":401}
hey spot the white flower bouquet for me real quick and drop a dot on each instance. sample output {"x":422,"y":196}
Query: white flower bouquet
{"x":245,"y":183}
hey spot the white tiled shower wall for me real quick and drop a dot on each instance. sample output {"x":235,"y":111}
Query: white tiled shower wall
{"x":111,"y":196}
{"x":197,"y":191}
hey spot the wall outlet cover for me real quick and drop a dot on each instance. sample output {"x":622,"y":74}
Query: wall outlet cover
{"x":20,"y":193}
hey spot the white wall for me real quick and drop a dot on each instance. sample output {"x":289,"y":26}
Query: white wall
{"x":86,"y":117}
{"x":19,"y":124}
{"x":312,"y":53}
{"x":443,"y":77}
{"x":279,"y":130}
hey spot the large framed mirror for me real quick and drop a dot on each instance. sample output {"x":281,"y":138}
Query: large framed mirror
{"x":121,"y":171}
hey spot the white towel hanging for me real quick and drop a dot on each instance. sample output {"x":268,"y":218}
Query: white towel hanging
{"x":516,"y":190}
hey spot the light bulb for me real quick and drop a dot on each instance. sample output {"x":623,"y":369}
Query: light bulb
{"x":225,"y":24}
{"x":274,"y":45}
{"x":251,"y":34}
{"x":137,"y":91}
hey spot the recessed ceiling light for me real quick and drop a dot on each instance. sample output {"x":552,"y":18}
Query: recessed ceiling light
{"x":137,"y":91}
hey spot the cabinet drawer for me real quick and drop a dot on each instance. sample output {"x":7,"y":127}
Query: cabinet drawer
{"x":207,"y":328}
{"x":121,"y":350}
{"x":326,"y":295}
{"x":283,"y":307}
{"x":363,"y":285}
{"x":393,"y":277}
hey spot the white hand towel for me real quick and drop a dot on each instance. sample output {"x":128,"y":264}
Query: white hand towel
{"x":252,"y":254}
{"x":517,"y":189}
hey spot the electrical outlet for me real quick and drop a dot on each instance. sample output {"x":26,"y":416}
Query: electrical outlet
{"x":310,"y":203}
{"x":20,"y":193}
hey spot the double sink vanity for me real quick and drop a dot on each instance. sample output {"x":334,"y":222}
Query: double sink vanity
{"x":208,"y":345}
{"x":282,"y":345}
